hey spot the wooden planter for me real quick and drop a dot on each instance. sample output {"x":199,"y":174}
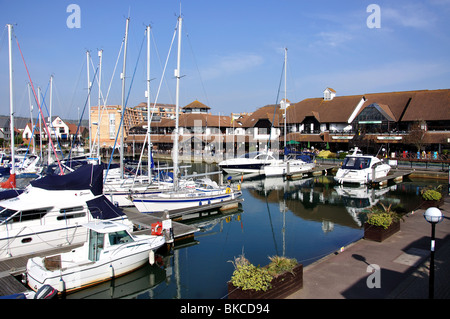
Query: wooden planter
{"x":432,"y":203}
{"x":378,"y":233}
{"x":282,"y":286}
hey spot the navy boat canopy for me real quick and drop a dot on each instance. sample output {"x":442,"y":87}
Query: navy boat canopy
{"x":86,"y":177}
{"x":101,"y":208}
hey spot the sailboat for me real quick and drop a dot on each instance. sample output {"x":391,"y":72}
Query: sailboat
{"x":291,"y":164}
{"x":203,"y":192}
{"x":118,"y":185}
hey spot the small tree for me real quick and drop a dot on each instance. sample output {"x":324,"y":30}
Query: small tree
{"x":417,"y":135}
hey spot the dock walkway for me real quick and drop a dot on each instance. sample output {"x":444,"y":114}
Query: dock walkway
{"x":394,"y":175}
{"x":403,"y":261}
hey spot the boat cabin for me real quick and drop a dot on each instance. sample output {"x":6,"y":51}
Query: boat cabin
{"x":103,"y":235}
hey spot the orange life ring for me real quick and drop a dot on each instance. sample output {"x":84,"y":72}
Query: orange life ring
{"x":157,"y":229}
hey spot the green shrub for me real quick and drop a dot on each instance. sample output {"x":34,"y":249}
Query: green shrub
{"x":279,"y":265}
{"x":382,"y":216}
{"x":431,"y":194}
{"x":382,"y":219}
{"x":247,"y":276}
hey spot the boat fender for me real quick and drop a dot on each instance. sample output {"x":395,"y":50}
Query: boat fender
{"x":239,"y":187}
{"x":151,"y":257}
{"x":111,"y":271}
{"x":157,"y":228}
{"x":62,"y":285}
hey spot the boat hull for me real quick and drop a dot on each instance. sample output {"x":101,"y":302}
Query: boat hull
{"x":348,"y":176}
{"x":283,"y":169}
{"x":88,"y":273}
{"x":175,"y":201}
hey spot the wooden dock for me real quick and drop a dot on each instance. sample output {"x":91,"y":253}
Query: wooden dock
{"x":395,"y":176}
{"x":180,"y":231}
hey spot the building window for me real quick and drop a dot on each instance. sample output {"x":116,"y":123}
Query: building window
{"x":112,"y":126}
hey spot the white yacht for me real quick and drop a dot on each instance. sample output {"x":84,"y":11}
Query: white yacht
{"x":253,"y":162}
{"x":110,"y":251}
{"x":50,"y":211}
{"x":361,"y":169}
{"x":291,"y":165}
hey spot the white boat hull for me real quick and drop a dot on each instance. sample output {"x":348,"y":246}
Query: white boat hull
{"x":73,"y":274}
{"x":361,"y":176}
{"x":179,"y":200}
{"x":295,"y":167}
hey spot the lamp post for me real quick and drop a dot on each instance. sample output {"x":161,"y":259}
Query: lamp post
{"x":434,"y":216}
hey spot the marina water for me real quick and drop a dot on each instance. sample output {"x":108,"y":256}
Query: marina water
{"x":306,"y":219}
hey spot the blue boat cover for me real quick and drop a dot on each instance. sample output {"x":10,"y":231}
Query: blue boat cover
{"x":102,"y":208}
{"x":10,"y":193}
{"x":86,"y":177}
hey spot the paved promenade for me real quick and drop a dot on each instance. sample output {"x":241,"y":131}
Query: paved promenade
{"x":403,"y":260}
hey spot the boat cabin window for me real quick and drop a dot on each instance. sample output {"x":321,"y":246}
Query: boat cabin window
{"x":249,"y":155}
{"x":119,"y":237}
{"x":5,"y":214}
{"x":356,"y":163}
{"x":263,"y":157}
{"x":33,"y":214}
{"x":71,"y":212}
{"x":15,"y":216}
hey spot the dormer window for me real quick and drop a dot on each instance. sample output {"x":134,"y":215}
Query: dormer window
{"x":329,"y":94}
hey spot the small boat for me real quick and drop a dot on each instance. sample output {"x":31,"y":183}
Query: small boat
{"x":110,"y":251}
{"x":361,"y":169}
{"x":291,"y":165}
{"x":253,"y":162}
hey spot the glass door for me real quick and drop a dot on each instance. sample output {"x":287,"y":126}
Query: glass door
{"x":95,"y":244}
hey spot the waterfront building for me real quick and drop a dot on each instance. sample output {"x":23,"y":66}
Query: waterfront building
{"x":394,"y":121}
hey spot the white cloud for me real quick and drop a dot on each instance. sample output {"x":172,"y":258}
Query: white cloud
{"x":334,"y":38}
{"x":408,"y":15}
{"x":231,"y":65}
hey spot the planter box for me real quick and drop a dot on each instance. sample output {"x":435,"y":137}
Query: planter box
{"x":378,"y":233}
{"x":282,"y":286}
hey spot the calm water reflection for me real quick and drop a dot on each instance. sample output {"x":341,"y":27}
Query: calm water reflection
{"x":306,"y":219}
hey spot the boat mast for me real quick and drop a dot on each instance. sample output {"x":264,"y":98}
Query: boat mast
{"x":89,"y":102}
{"x":33,"y":133}
{"x":100,"y":55}
{"x":177,"y":107}
{"x":149,"y":150}
{"x":285,"y":95}
{"x":11,"y":103}
{"x":123,"y":98}
{"x":50,"y":129}
{"x":40,"y":125}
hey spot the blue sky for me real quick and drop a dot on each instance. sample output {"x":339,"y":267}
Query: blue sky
{"x":232,"y":51}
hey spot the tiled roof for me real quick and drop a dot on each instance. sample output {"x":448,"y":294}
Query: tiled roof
{"x":196,"y":105}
